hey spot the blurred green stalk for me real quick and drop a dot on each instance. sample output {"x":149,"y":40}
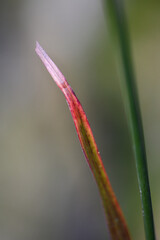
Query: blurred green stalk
{"x":118,"y":26}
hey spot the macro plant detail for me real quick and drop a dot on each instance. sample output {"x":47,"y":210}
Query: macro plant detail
{"x":114,"y":10}
{"x":121,"y":41}
{"x":115,"y":220}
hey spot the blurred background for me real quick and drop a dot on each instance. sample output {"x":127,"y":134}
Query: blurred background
{"x":47,"y":190}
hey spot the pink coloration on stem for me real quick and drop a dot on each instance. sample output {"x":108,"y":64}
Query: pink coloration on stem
{"x":116,"y":223}
{"x":51,"y":67}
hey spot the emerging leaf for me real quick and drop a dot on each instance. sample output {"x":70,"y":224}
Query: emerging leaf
{"x":116,"y":223}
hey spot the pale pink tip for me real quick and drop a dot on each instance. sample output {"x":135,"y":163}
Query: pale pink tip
{"x":50,"y":65}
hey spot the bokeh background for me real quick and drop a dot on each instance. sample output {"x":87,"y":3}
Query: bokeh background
{"x":46,"y":188}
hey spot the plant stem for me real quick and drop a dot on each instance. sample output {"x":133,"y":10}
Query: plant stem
{"x":118,"y":23}
{"x":116,"y":223}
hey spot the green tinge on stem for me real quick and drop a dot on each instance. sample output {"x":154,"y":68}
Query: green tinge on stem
{"x":116,"y":17}
{"x":116,"y":223}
